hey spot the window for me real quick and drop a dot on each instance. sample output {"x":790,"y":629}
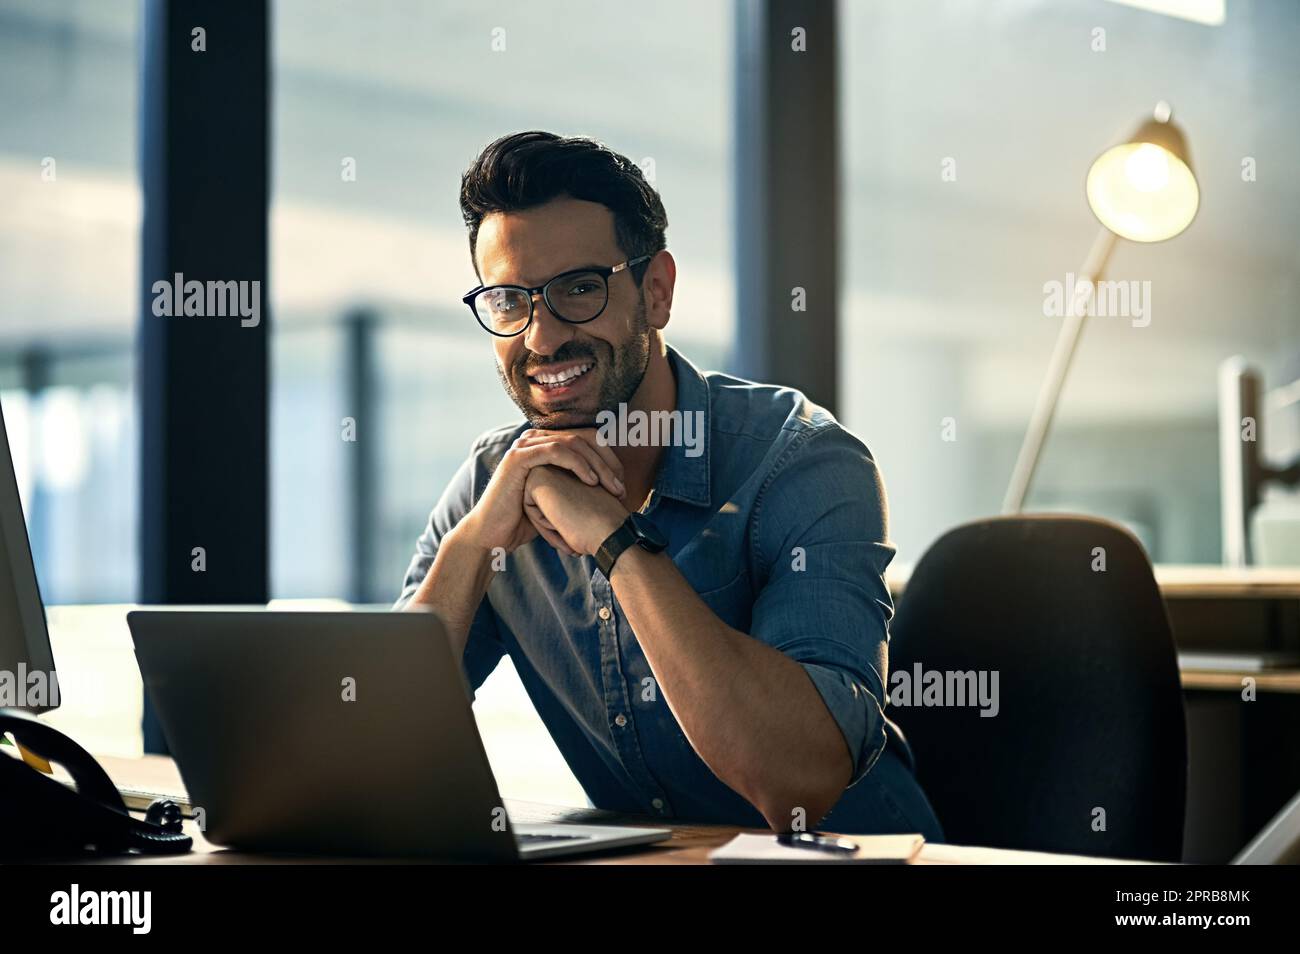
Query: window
{"x":69,"y":266}
{"x":378,"y":108}
{"x":968,"y":136}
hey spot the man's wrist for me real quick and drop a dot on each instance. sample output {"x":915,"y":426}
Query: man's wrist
{"x":636,"y":532}
{"x":607,"y":529}
{"x":632,"y":562}
{"x":463,"y":545}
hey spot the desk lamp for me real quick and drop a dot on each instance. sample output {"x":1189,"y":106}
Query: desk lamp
{"x":1142,"y":190}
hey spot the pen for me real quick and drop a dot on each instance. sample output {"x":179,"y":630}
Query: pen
{"x":805,"y":839}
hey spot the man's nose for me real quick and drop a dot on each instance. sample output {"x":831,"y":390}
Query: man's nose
{"x":546,"y":333}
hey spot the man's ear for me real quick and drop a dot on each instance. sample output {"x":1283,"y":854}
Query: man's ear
{"x":657,"y":287}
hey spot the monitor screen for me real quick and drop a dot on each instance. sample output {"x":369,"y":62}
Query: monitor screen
{"x":1239,"y":463}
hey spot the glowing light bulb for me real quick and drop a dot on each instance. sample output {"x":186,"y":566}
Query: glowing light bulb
{"x":1147,"y":168}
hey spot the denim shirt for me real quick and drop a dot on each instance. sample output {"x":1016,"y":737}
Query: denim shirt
{"x":779,"y":523}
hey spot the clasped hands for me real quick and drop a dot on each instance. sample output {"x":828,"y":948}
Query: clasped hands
{"x":564,"y":486}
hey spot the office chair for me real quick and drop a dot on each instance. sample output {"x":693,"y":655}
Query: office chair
{"x":1087,"y":753}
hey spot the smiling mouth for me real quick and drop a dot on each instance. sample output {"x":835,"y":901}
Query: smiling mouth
{"x":563,"y":378}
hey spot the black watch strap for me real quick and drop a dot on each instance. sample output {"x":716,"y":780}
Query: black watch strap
{"x":636,"y":529}
{"x":614,"y":545}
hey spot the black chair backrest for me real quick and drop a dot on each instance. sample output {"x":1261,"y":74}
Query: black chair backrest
{"x":1087,"y":752}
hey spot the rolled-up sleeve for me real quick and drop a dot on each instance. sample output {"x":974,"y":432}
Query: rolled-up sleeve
{"x":483,"y":648}
{"x":820,"y":537}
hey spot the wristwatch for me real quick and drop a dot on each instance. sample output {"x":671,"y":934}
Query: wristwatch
{"x":637,"y":529}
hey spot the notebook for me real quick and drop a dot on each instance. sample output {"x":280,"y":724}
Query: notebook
{"x":766,"y":850}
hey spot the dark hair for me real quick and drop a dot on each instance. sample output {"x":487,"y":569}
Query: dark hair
{"x":528,"y":169}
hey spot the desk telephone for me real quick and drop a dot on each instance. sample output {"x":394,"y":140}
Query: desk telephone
{"x":44,"y":818}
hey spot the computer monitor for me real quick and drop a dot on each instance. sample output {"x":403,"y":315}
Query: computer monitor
{"x":27,"y":677}
{"x":1239,"y":463}
{"x":1244,"y":471}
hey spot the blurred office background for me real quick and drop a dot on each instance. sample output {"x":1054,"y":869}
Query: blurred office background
{"x":940,"y":298}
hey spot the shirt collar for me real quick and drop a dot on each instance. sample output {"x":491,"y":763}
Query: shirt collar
{"x":681,"y":477}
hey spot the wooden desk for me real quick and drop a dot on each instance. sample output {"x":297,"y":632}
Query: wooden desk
{"x":690,"y":843}
{"x":1187,"y":581}
{"x":1215,"y":680}
{"x":1219,"y":609}
{"x":1179,"y":581}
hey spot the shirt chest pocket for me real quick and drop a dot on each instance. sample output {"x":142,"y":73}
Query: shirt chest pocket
{"x":713,"y":563}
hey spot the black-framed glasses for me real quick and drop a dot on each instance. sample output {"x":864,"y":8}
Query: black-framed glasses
{"x":575,"y":296}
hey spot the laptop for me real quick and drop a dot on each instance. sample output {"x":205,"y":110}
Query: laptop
{"x":343,"y":733}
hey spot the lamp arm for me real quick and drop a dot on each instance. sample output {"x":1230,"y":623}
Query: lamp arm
{"x":1040,"y":421}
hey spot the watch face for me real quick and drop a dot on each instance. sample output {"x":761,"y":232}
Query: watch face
{"x":648,"y":533}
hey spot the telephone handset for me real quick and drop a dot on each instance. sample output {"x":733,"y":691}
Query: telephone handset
{"x":44,"y":817}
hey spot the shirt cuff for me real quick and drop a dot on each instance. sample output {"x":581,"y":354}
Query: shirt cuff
{"x":856,"y":711}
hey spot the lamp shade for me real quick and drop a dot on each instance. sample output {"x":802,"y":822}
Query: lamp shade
{"x":1144,"y":189}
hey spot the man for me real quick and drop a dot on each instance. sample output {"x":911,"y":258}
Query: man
{"x":701,"y":626}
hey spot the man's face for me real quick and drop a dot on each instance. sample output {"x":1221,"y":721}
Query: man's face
{"x":531,"y":247}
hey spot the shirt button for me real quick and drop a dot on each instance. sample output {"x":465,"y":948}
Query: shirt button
{"x":658,"y":804}
{"x":620,"y":720}
{"x":604,"y":613}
